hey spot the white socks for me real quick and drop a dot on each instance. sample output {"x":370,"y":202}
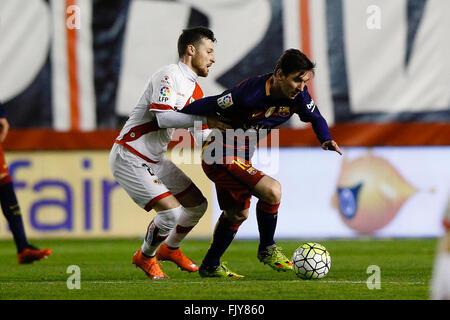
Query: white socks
{"x":440,"y":282}
{"x":159,"y":229}
{"x":188,"y":219}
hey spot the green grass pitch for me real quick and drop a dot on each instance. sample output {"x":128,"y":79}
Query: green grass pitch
{"x":107,"y":272}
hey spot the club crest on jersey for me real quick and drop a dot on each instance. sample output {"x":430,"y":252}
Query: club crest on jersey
{"x":284,"y":111}
{"x":165,"y":79}
{"x":225,"y":101}
{"x":164,"y":94}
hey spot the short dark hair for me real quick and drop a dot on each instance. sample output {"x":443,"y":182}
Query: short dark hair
{"x":193,"y":36}
{"x":293,"y":60}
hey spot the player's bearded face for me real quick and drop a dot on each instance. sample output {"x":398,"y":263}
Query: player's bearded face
{"x":203,"y":57}
{"x":294,"y":83}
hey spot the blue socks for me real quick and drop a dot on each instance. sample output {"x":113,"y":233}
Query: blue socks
{"x":266,"y":215}
{"x":225,"y":232}
{"x":11,"y":210}
{"x":223,"y":236}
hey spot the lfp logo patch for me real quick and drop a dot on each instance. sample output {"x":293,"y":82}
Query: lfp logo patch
{"x":225,"y":101}
{"x":164,"y":94}
{"x":165,"y":91}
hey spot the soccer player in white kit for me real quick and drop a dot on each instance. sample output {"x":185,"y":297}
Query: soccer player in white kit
{"x":137,"y":158}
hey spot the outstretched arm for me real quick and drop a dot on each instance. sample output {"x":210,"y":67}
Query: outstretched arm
{"x":202,"y":106}
{"x":331,"y":145}
{"x":322,"y":131}
{"x":312,"y":114}
{"x":173,"y":119}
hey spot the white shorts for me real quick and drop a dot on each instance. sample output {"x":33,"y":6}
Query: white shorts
{"x":145,"y":182}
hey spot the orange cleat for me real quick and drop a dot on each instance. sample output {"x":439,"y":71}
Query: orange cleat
{"x":30,"y":254}
{"x":149,"y":265}
{"x":176,"y":256}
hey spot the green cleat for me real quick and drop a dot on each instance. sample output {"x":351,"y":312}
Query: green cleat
{"x":220,"y":271}
{"x":273,"y":256}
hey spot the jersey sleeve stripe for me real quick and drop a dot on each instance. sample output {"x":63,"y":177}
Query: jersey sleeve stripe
{"x":155,"y":106}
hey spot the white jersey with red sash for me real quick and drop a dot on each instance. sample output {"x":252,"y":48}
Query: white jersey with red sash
{"x":169,"y":89}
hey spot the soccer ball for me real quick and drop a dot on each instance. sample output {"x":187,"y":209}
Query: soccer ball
{"x":311,"y":261}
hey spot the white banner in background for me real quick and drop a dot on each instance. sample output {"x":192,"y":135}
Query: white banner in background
{"x":82,"y":65}
{"x":379,"y":55}
{"x":379,"y":192}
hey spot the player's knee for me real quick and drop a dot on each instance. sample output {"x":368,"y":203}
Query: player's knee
{"x":272,"y":193}
{"x":236,"y":216}
{"x":240,"y":218}
{"x":197,"y":212}
{"x":167,"y":219}
{"x":5,"y":178}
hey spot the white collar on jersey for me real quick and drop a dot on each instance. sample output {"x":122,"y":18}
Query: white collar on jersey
{"x":188,"y":72}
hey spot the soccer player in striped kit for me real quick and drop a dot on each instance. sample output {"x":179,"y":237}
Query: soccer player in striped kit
{"x":262,"y":102}
{"x":137,"y":158}
{"x":26,"y":253}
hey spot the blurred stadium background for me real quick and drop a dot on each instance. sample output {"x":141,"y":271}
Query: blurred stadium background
{"x":72,"y":70}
